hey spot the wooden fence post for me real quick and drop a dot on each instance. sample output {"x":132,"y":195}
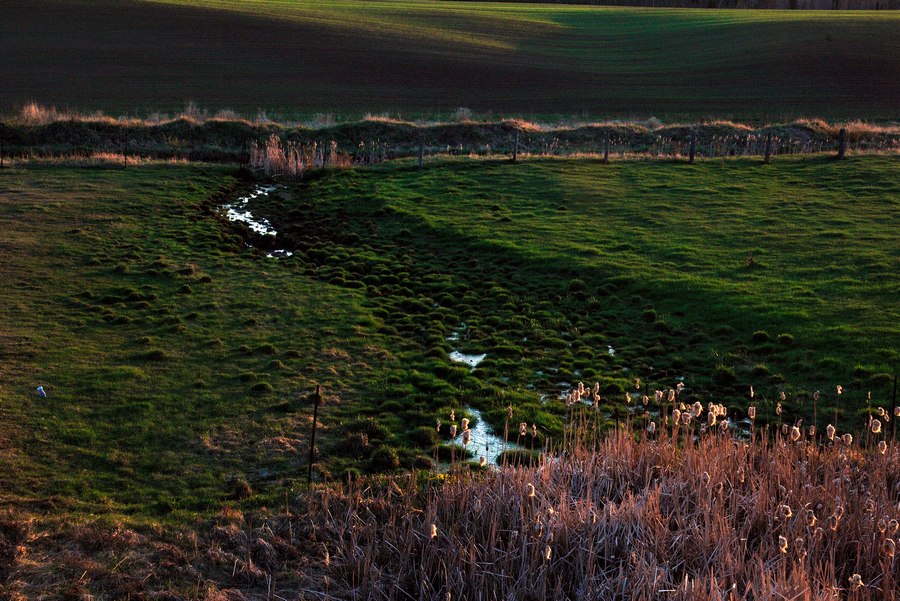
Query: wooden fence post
{"x":421,"y":149}
{"x":894,"y":416}
{"x":842,"y":143}
{"x":606,"y":149}
{"x":693,"y":150}
{"x":768,"y":158}
{"x":312,"y":442}
{"x":515,"y":153}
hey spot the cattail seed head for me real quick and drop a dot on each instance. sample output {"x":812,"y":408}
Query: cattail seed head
{"x":751,"y":412}
{"x":482,"y":461}
{"x":676,"y":415}
{"x":799,"y":544}
{"x":784,"y":511}
{"x":795,"y":433}
{"x":890,"y":547}
{"x":651,"y":429}
{"x":816,"y":395}
{"x":697,"y":409}
{"x":438,"y":428}
{"x":876,"y":426}
{"x":847,"y":439}
{"x":434,"y":531}
{"x":466,"y":436}
{"x":658,"y":396}
{"x":784,"y":429}
{"x":881,"y":412}
{"x":509,"y":412}
{"x":840,"y":390}
{"x":529,"y":490}
{"x":829,"y":432}
{"x":856,"y":581}
{"x":548,"y":553}
{"x":839,"y":511}
{"x":711,"y":419}
{"x":523,"y":429}
{"x":464,"y":424}
{"x":452,"y":415}
{"x":671,"y":396}
{"x":752,"y":394}
{"x":778,"y":409}
{"x":897,"y":411}
{"x":646,"y":400}
{"x":453,"y":431}
{"x":811,"y":518}
{"x":686,"y":418}
{"x":833,"y":522}
{"x":782,"y":544}
{"x":705,"y":478}
{"x":782,"y":396}
{"x":892,"y":527}
{"x":812,"y":431}
{"x":679,"y":386}
{"x":882,"y":447}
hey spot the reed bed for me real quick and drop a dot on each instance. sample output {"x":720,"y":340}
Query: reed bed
{"x":285,"y":159}
{"x":687,"y":512}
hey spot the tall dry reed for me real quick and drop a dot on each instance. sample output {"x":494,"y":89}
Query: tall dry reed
{"x":630,"y":516}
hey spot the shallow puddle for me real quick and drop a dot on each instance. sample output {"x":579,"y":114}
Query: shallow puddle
{"x":471,"y":360}
{"x":484,"y":443}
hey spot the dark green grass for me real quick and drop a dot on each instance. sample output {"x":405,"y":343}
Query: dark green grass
{"x":423,"y":57}
{"x":728,"y":272}
{"x":178,"y":361}
{"x":142,"y":319}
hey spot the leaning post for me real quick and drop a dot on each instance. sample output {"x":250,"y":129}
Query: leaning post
{"x":895,"y":417}
{"x":312,"y":442}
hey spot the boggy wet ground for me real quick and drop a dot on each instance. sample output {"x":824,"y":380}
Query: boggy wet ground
{"x":567,"y":271}
{"x":478,"y":331}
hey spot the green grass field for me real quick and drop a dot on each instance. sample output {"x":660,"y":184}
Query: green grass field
{"x":428,"y":58}
{"x":177,"y":360}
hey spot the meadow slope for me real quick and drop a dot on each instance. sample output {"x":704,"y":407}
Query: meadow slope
{"x":422,"y":57}
{"x":159,"y":335}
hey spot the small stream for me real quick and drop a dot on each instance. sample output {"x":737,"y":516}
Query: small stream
{"x":238,"y":212}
